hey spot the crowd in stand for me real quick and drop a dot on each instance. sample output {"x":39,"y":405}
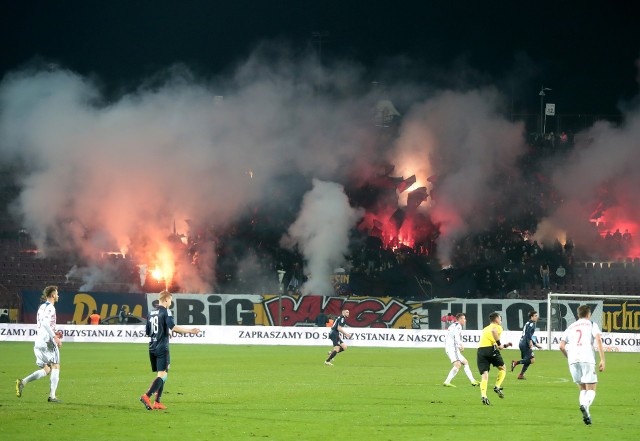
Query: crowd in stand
{"x":502,"y":261}
{"x":551,"y":140}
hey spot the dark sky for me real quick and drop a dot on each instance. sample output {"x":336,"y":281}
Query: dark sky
{"x":586,"y":51}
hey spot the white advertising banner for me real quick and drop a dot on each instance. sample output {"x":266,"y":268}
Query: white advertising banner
{"x":295,"y":336}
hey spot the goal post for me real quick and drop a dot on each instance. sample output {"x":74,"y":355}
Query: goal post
{"x":559,"y":304}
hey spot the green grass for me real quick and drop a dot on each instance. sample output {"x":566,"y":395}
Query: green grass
{"x":287,"y":393}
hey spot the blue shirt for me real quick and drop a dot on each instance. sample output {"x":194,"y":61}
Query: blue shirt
{"x":527,"y":332}
{"x":159,"y":324}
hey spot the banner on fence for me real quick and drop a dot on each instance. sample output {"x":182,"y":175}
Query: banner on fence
{"x":366,"y":312}
{"x":76,"y":307}
{"x":293,"y":336}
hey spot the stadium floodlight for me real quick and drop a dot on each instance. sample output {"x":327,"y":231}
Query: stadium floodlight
{"x":554,"y":316}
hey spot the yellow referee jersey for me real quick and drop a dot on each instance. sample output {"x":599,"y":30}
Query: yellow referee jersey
{"x":487,"y":335}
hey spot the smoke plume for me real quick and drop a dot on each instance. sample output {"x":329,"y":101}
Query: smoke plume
{"x":100,"y":173}
{"x":321,"y":232}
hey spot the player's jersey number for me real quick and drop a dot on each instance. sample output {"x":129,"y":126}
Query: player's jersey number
{"x":579,"y":342}
{"x":154,"y":324}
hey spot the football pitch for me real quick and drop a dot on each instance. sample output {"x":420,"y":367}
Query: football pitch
{"x":287,"y":393}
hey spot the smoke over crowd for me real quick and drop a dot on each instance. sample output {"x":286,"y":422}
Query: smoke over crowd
{"x":100,"y":173}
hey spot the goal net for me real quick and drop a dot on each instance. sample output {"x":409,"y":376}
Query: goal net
{"x":611,"y":312}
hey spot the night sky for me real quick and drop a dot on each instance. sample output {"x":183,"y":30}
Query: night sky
{"x":111,"y":119}
{"x":586,"y":51}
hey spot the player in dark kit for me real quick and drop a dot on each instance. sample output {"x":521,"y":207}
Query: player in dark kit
{"x":159,"y":324}
{"x":527,"y":342}
{"x":334,"y":335}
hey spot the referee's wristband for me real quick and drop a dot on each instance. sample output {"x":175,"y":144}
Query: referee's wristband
{"x":498,"y":342}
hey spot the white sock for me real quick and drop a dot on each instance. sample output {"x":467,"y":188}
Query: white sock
{"x":582,"y":398}
{"x":467,"y":370}
{"x":35,"y":376}
{"x":55,"y":377}
{"x":590,"y":395}
{"x":452,"y":373}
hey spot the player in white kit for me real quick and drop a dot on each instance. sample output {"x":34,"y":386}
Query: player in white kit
{"x":576,"y":344}
{"x":453,"y":347}
{"x":46,"y":347}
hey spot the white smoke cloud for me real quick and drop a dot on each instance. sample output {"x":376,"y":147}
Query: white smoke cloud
{"x":462,"y":139}
{"x":99,"y":173}
{"x":115,"y":175}
{"x":321,"y":232}
{"x":600,"y":176}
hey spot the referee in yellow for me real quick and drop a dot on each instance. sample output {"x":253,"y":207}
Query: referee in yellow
{"x":489,"y":354}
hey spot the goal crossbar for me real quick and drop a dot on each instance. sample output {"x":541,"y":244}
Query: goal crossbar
{"x":551,"y":295}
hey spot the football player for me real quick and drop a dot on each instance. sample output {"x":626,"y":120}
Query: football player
{"x":527,"y":342}
{"x":453,"y":347}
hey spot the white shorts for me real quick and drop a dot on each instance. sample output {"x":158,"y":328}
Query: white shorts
{"x":455,"y":355}
{"x":49,"y":354}
{"x":583,"y":373}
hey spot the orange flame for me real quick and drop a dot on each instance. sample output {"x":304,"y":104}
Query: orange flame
{"x":164,"y":266}
{"x":157,"y":274}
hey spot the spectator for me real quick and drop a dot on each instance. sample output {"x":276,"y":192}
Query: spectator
{"x":415,"y":321}
{"x":94,"y":318}
{"x":561,"y":272}
{"x":321,"y":320}
{"x":564,"y":138}
{"x":545,"y":275}
{"x":122,"y":315}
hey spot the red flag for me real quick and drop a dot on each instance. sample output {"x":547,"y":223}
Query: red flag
{"x":406,"y":183}
{"x":416,"y":197}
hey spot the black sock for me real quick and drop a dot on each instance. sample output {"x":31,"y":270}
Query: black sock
{"x":333,"y":354}
{"x":159,"y":393}
{"x":155,"y":386}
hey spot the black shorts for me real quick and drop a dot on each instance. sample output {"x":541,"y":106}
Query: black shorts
{"x":488,"y":356}
{"x":335,"y":338}
{"x":159,"y":362}
{"x":526,"y":353}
